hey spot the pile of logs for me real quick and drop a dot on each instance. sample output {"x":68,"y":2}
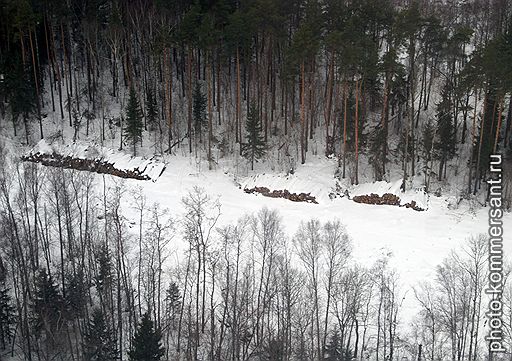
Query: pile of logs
{"x":91,"y":165}
{"x":385,"y":199}
{"x":294,"y":197}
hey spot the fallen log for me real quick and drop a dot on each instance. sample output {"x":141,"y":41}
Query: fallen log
{"x":91,"y":165}
{"x":386,"y":199}
{"x":285,"y":194}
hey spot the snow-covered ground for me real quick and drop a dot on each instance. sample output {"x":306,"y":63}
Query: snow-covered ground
{"x":415,"y":242}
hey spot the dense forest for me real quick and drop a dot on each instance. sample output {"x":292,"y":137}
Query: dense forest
{"x":418,"y":90}
{"x":411,"y":88}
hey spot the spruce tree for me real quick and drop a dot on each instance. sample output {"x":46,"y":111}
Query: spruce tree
{"x":445,"y":130}
{"x":6,"y":317}
{"x":333,"y":350}
{"x":151,"y":110}
{"x":173,"y":302}
{"x":75,"y":293}
{"x":146,"y":344}
{"x":104,"y":277}
{"x":21,"y":96}
{"x":99,"y":342}
{"x":134,"y":125}
{"x":427,"y":144}
{"x":47,"y":305}
{"x":255,"y":146}
{"x":199,"y":109}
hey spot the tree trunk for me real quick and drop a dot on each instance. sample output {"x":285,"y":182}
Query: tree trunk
{"x":498,"y":126}
{"x":210,"y":126}
{"x":345,"y":98}
{"x":302,"y":115}
{"x":238,"y":130}
{"x":507,"y":142}
{"x":36,"y":83}
{"x":189,"y":71}
{"x":356,"y":121}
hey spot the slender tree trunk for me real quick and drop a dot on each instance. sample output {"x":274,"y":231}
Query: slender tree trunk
{"x":36,"y":83}
{"x":238,"y":130}
{"x":498,"y":126}
{"x":189,"y":71}
{"x":345,"y":100}
{"x":210,"y":125}
{"x":330,"y":86}
{"x":358,"y":90}
{"x":302,"y":115}
{"x":507,"y":142}
{"x":384,"y":122}
{"x":473,"y":137}
{"x":169,"y":97}
{"x":482,"y":125}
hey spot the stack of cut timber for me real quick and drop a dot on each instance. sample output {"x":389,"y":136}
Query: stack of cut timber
{"x":294,"y":197}
{"x":385,"y":199}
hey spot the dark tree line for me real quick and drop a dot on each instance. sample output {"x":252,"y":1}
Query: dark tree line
{"x":400,"y":85}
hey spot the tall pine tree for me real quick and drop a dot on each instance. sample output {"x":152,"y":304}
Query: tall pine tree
{"x":333,"y":350}
{"x":99,"y":341}
{"x":199,"y":110}
{"x":6,"y":317}
{"x":152,"y":110}
{"x":48,"y":308}
{"x":134,"y":125}
{"x":445,"y":131}
{"x":146,"y":344}
{"x":173,"y":303}
{"x":255,"y":146}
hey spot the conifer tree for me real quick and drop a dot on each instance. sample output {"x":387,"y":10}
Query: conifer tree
{"x":99,"y":342}
{"x":146,"y":344}
{"x":427,"y":144}
{"x":333,"y":349}
{"x":199,"y":110}
{"x":173,"y":301}
{"x":151,"y":110}
{"x":104,"y":277}
{"x":75,"y":293}
{"x":47,"y":305}
{"x":445,"y":130}
{"x":134,"y":125}
{"x":21,"y":96}
{"x":255,"y":146}
{"x":6,"y":317}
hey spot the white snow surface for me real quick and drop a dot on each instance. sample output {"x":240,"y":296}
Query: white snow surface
{"x":413,"y":242}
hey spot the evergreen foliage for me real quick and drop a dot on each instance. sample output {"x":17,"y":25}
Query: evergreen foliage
{"x":151,"y":110}
{"x":134,"y":126}
{"x":146,"y":343}
{"x":104,"y":276}
{"x":255,"y":146}
{"x":199,"y":110}
{"x":333,"y":349}
{"x":48,"y":304}
{"x":445,"y":130}
{"x":173,"y":302}
{"x":7,"y":317}
{"x":99,"y":341}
